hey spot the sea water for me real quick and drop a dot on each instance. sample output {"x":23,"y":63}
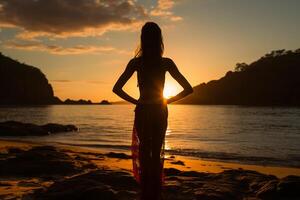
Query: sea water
{"x":255,"y":135}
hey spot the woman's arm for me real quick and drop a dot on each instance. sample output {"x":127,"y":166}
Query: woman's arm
{"x":117,"y":89}
{"x":187,"y":88}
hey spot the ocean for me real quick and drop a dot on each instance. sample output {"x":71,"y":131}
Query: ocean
{"x":250,"y":135}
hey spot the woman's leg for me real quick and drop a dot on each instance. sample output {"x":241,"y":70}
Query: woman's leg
{"x":145,"y":164}
{"x":151,"y":125}
{"x":143,"y":128}
{"x":159,"y":129}
{"x":156,"y":166}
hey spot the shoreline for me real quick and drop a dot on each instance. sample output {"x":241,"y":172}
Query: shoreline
{"x":40,"y":171}
{"x":183,"y":163}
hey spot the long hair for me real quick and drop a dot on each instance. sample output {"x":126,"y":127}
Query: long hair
{"x":151,"y":47}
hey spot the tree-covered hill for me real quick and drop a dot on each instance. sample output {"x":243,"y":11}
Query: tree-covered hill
{"x":22,"y":84}
{"x":274,"y":79}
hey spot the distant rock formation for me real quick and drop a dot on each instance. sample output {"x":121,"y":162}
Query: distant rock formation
{"x":105,"y":102}
{"x":80,"y":101}
{"x":273,"y":80}
{"x":23,"y":84}
{"x":121,"y":102}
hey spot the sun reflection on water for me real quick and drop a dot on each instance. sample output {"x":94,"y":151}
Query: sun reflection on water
{"x":168,"y":132}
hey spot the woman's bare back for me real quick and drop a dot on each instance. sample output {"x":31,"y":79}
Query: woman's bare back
{"x":151,"y":79}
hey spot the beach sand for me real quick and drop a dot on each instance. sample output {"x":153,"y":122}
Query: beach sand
{"x":30,"y":170}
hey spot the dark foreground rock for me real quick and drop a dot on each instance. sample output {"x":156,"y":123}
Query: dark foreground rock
{"x":42,"y":162}
{"x":118,"y":155}
{"x":13,"y":128}
{"x":187,"y":185}
{"x":230,"y":185}
{"x":72,"y":176}
{"x":95,"y":185}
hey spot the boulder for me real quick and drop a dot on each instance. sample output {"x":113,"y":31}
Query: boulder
{"x":41,"y":161}
{"x":14,"y":128}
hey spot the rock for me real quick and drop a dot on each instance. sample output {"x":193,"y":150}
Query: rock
{"x":28,"y":184}
{"x":14,"y":150}
{"x":56,"y":128}
{"x":268,"y":191}
{"x":4,"y":184}
{"x":289,"y":187}
{"x":105,"y":102}
{"x":78,"y":102}
{"x":179,"y":162}
{"x":56,"y":174}
{"x":190,"y":173}
{"x":211,"y":196}
{"x":38,"y":162}
{"x":13,"y":128}
{"x":99,"y":192}
{"x":285,"y":188}
{"x":125,"y":194}
{"x":171,"y":171}
{"x":173,"y":188}
{"x":172,"y":178}
{"x":229,"y":185}
{"x":99,"y":184}
{"x":118,"y":155}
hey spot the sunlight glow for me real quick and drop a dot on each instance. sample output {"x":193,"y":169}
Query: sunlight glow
{"x":170,"y":90}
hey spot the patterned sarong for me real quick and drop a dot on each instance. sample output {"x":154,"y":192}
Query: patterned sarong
{"x":150,"y":123}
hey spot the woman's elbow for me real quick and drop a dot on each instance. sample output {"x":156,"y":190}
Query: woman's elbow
{"x":187,"y":91}
{"x":190,"y":90}
{"x":115,"y":90}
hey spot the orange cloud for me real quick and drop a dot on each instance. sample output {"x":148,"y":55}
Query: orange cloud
{"x":54,"y":19}
{"x":78,"y":81}
{"x":63,"y":18}
{"x":163,"y":9}
{"x":59,"y":50}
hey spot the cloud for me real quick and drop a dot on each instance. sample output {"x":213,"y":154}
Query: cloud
{"x":53,"y":19}
{"x":64,"y":18}
{"x":79,"y":81}
{"x":61,"y":81}
{"x":165,"y":4}
{"x":60,"y":50}
{"x":164,"y":9}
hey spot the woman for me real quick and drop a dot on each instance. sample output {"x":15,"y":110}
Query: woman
{"x":151,"y":110}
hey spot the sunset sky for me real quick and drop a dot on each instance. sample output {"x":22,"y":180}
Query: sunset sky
{"x":84,"y":45}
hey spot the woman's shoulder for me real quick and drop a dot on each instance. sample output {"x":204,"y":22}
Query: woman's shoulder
{"x":134,"y":62}
{"x":167,"y":59}
{"x":167,"y":62}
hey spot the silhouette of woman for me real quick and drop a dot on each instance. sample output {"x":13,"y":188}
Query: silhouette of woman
{"x":151,"y":110}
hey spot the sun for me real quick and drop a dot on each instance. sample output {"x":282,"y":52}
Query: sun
{"x":169,"y":91}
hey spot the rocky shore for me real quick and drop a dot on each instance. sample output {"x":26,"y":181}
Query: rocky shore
{"x":56,"y":173}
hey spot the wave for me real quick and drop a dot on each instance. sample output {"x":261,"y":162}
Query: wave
{"x":238,"y":158}
{"x":291,"y":161}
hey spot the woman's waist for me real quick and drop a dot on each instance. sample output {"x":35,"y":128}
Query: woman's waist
{"x":152,"y":104}
{"x":152,"y":101}
{"x":151,"y":108}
